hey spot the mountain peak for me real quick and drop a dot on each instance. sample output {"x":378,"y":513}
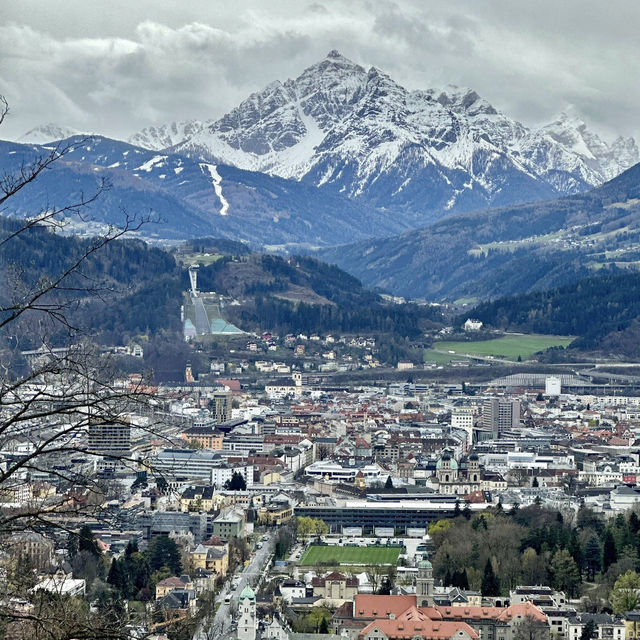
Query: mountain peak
{"x":334,"y":54}
{"x":465,"y":99}
{"x":45,"y":133}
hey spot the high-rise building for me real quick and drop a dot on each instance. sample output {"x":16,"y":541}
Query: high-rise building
{"x":221,"y":406}
{"x":552,"y":386}
{"x":500,"y":414}
{"x":109,"y":438}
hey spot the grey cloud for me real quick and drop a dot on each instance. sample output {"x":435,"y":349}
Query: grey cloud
{"x":119,"y":70}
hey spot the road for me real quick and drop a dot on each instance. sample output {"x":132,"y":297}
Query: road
{"x":222,"y":623}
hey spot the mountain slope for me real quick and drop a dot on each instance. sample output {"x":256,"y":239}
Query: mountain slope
{"x":421,"y":154}
{"x":507,"y":250}
{"x":188,"y":198}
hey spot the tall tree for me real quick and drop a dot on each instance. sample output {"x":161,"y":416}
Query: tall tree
{"x":565,"y":572}
{"x":592,"y":558}
{"x":609,"y":552}
{"x":490,"y":582}
{"x":163,"y":551}
{"x":589,"y":630}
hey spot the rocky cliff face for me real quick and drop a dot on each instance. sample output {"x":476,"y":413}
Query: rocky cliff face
{"x":422,"y":153}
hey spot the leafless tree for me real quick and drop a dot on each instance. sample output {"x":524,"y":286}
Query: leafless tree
{"x":46,"y":410}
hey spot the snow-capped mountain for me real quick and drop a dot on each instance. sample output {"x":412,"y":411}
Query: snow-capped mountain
{"x":165,"y":136}
{"x":46,"y":133}
{"x":422,"y":152}
{"x":184,"y":197}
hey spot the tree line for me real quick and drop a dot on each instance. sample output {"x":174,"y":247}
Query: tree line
{"x":591,"y":309}
{"x":497,"y":550}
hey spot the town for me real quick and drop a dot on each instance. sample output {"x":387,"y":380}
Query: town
{"x":215,"y":508}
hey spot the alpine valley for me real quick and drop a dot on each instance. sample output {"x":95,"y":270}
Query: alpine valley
{"x":426,"y":187}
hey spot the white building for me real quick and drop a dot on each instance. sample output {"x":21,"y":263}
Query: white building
{"x":247,"y":613}
{"x":472,"y":325}
{"x":552,"y":386}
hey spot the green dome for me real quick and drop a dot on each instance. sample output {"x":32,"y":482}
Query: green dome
{"x":247,"y":592}
{"x":452,"y":463}
{"x":424,"y":564}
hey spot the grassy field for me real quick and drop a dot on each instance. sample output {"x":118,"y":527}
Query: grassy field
{"x":374,"y":555}
{"x":441,"y":358}
{"x":204,"y":259}
{"x":509,"y":346}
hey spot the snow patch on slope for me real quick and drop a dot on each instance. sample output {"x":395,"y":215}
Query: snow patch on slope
{"x":150,"y":164}
{"x":212,"y":169}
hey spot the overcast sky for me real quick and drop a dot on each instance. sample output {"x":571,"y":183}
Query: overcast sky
{"x":115,"y":66}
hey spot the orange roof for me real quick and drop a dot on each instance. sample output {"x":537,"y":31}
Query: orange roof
{"x":369,"y":606}
{"x":527,"y":609}
{"x":415,"y":623}
{"x":503,"y":614}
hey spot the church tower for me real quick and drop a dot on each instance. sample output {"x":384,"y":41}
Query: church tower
{"x":247,"y":613}
{"x":424,"y":584}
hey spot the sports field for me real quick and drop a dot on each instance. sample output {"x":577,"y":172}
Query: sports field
{"x":509,"y":346}
{"x":333,"y":554}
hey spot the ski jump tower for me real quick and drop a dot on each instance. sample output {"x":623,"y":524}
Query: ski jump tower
{"x":193,"y":278}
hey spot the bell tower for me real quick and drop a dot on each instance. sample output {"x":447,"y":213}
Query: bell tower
{"x":247,"y":611}
{"x":424,"y":584}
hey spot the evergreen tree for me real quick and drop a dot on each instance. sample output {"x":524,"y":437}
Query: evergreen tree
{"x":592,"y":558}
{"x":389,"y":483}
{"x":116,"y":577}
{"x":490,"y":583}
{"x":456,"y":511}
{"x":634,"y":522}
{"x":575,"y":549}
{"x":86,"y":541}
{"x":565,"y":572}
{"x":466,"y":512}
{"x":609,"y":553}
{"x":163,"y":551}
{"x":237,"y":482}
{"x":589,"y":630}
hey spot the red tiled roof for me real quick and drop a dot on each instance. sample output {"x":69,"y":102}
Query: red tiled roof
{"x":415,"y":623}
{"x":370,"y":606}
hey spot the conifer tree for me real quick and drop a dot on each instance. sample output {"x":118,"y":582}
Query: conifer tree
{"x":490,"y":583}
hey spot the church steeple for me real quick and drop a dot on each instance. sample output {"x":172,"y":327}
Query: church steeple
{"x":247,"y":611}
{"x":424,"y":583}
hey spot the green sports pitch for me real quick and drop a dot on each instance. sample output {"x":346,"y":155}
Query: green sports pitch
{"x":335,"y":555}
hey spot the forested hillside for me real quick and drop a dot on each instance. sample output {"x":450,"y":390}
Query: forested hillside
{"x":593,"y":309}
{"x":128,"y":288}
{"x":302,"y":294}
{"x":506,"y":251}
{"x":124,"y":288}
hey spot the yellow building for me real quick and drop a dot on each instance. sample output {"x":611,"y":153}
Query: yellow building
{"x":211,"y":557}
{"x":275,"y":514}
{"x":199,"y":499}
{"x":205,"y":437}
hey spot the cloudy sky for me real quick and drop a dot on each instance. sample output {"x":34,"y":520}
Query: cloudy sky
{"x":116,"y":66}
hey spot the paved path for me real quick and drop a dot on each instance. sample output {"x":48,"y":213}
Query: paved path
{"x":222,"y":624}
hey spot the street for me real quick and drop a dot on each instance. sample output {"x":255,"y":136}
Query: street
{"x":222,"y":623}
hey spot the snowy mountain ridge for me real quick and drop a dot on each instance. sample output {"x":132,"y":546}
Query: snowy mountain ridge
{"x":423,"y":151}
{"x":46,"y":133}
